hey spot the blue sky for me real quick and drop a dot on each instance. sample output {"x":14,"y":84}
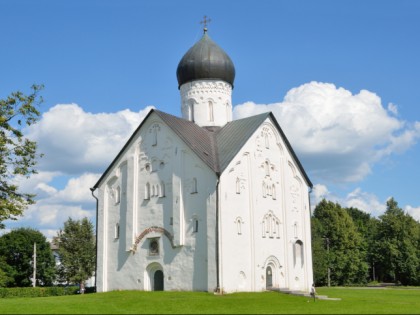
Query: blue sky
{"x":341,"y":77}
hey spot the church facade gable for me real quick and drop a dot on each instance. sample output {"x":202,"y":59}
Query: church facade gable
{"x":166,"y":198}
{"x":263,"y":190}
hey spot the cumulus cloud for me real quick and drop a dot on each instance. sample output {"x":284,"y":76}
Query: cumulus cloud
{"x":413,"y":211}
{"x":77,"y":190}
{"x":77,"y":147}
{"x":37,"y":183}
{"x":54,"y":207}
{"x":337,"y":135}
{"x":75,"y":141}
{"x":367,"y":202}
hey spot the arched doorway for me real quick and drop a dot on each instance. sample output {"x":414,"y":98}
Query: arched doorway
{"x":154,"y":277}
{"x":158,"y":280}
{"x":274,"y":278}
{"x":268,"y":277}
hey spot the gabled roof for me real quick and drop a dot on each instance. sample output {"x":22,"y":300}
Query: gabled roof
{"x":233,"y":136}
{"x":198,"y":139}
{"x":216,"y":147}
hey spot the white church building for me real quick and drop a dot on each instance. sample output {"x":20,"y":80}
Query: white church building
{"x":204,"y":202}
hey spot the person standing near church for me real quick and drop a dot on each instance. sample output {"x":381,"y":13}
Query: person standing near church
{"x":313,"y":291}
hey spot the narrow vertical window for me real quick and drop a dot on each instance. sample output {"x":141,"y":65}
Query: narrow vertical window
{"x":211,"y":114}
{"x":194,"y":186}
{"x":154,"y":137}
{"x":228,"y":111}
{"x":278,"y":229}
{"x":273,"y":192}
{"x":239,"y":225}
{"x":298,"y":253}
{"x":267,"y":168}
{"x":162,"y":189}
{"x":117,"y":195}
{"x":267,"y":142}
{"x":191,"y":111}
{"x":273,"y":227}
{"x":147,"y":191}
{"x":117,"y":230}
{"x":195,"y":228}
{"x":238,"y":185}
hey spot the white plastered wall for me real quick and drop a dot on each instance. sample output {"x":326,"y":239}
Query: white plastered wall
{"x":207,"y":102}
{"x":262,"y":196}
{"x":167,"y":212}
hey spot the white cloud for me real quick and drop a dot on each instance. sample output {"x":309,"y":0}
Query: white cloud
{"x":413,"y":211}
{"x":357,"y":198}
{"x":76,"y":144}
{"x":337,"y":135}
{"x":319,"y":192}
{"x":393,"y":108}
{"x":78,"y":189}
{"x":54,"y":206}
{"x":75,"y":141}
{"x":45,"y":215}
{"x":365,"y":201}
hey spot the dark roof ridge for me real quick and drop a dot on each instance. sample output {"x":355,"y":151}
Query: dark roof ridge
{"x":198,"y":139}
{"x":216,"y":147}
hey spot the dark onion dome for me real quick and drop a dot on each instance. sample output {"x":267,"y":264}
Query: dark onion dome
{"x":205,"y":60}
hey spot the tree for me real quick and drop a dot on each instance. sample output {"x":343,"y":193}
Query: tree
{"x":397,"y":246}
{"x":345,"y":255}
{"x":18,"y":153}
{"x":77,"y":251}
{"x":320,"y":253}
{"x":16,"y":248}
{"x":367,"y":227}
{"x":5,"y":273}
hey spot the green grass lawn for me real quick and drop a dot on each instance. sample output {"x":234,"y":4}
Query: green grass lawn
{"x":353,"y":301}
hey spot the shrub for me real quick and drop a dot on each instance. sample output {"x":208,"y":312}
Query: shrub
{"x":37,"y":291}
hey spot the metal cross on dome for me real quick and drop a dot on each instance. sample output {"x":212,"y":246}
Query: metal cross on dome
{"x":205,"y":21}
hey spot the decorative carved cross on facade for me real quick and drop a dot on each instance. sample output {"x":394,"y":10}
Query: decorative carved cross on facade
{"x":205,"y":21}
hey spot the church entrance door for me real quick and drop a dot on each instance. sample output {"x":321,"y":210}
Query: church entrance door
{"x":268,"y":277}
{"x":158,"y":280}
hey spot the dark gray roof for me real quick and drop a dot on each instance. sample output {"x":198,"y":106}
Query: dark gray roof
{"x":233,"y":136}
{"x":214,"y":146}
{"x":205,"y":60}
{"x":198,"y":139}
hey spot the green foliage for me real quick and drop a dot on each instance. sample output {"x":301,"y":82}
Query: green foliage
{"x":5,"y":273}
{"x":388,"y":247}
{"x":37,"y":291}
{"x":346,"y":255}
{"x":18,"y":153}
{"x":16,"y":249}
{"x":397,"y":246}
{"x":367,"y":226}
{"x":77,"y":250}
{"x":320,"y":253}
